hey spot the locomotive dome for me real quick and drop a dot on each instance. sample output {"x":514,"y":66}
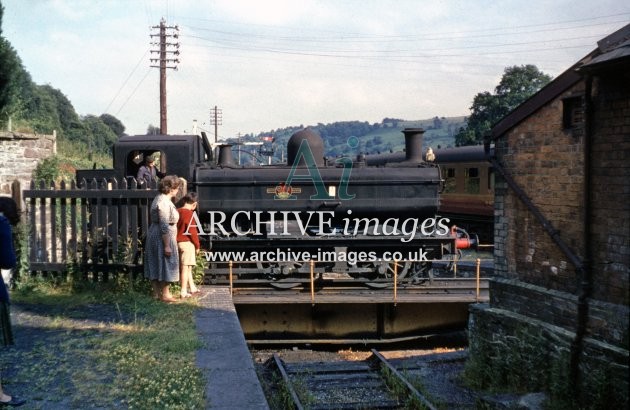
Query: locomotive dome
{"x":315,"y":143}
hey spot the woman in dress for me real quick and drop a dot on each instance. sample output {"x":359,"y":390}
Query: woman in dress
{"x":8,"y":216}
{"x":161,"y":260}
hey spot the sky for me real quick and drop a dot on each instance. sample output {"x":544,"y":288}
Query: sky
{"x":278,"y":63}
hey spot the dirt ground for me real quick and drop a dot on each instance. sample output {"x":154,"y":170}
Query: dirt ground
{"x":47,"y":366}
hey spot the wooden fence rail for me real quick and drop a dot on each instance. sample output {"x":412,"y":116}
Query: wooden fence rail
{"x":98,"y":226}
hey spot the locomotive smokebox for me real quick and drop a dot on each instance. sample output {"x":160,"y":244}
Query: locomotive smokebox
{"x":226,"y":160}
{"x":315,"y":143}
{"x":413,"y":144}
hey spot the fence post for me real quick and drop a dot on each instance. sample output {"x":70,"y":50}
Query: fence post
{"x":395,"y":281}
{"x":312,"y":283}
{"x":478,"y":274}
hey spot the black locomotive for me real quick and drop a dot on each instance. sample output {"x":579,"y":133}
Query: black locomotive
{"x":337,"y":218}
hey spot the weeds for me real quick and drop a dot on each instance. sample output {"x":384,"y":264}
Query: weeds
{"x":109,"y":349}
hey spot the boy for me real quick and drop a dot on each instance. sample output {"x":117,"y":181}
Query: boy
{"x":187,"y":243}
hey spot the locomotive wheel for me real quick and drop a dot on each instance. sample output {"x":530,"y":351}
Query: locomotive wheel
{"x":285,"y":284}
{"x":386,"y":270}
{"x":287,"y":268}
{"x":420,"y":272}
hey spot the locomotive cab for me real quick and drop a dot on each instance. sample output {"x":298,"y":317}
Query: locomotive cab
{"x":174,"y":154}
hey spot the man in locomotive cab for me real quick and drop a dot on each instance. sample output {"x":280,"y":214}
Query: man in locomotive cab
{"x":148,"y":171}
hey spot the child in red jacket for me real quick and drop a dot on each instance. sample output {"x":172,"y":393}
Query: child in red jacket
{"x":187,"y":243}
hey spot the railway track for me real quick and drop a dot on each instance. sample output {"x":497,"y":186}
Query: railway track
{"x":371,"y":383}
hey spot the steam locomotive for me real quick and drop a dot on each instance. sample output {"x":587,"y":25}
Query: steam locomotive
{"x":337,"y":218}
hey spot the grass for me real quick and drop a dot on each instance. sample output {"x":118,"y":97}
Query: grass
{"x":100,"y":348}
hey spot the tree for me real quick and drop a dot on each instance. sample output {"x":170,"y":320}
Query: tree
{"x":517,"y":85}
{"x":100,"y":136}
{"x":114,"y":124}
{"x":153,"y":130}
{"x":12,"y":76}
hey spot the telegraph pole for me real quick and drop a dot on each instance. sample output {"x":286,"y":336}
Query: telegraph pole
{"x":239,"y":148}
{"x":165,"y":53}
{"x":216,"y":119}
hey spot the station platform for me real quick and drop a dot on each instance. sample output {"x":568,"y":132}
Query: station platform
{"x":225,"y":359}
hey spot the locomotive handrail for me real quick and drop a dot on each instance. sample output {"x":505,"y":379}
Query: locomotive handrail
{"x":395,"y":276}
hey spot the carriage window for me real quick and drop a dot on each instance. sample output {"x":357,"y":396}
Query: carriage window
{"x":448,"y":175}
{"x":472,"y":180}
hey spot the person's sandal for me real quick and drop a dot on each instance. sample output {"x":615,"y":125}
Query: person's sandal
{"x":14,"y":402}
{"x":185,"y":295}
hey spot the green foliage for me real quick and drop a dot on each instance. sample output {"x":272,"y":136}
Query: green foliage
{"x":73,"y":156}
{"x":20,"y":238}
{"x":519,"y":364}
{"x":135,"y":352}
{"x":113,"y":124}
{"x":153,"y":130}
{"x":101,"y":137}
{"x":12,"y":76}
{"x":517,"y":85}
{"x":528,"y":360}
{"x":373,"y":138}
{"x":47,"y":170}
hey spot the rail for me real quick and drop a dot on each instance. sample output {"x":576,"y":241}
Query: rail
{"x":411,"y":390}
{"x":326,"y":385}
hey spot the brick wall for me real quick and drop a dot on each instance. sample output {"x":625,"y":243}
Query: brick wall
{"x":547,"y":162}
{"x":524,"y":337}
{"x":19,"y":156}
{"x":610,"y":156}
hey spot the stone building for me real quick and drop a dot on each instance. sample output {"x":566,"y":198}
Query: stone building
{"x":558,"y":315}
{"x":19,"y":155}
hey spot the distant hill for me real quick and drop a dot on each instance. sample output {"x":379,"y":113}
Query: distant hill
{"x":372,"y":138}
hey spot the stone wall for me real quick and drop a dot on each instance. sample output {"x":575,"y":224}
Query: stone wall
{"x":607,"y":322}
{"x":19,"y":156}
{"x":511,"y":349}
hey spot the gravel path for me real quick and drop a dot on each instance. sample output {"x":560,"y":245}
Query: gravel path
{"x":50,"y":364}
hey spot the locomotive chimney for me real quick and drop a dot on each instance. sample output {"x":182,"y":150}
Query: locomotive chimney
{"x":413,"y":144}
{"x":225,"y":156}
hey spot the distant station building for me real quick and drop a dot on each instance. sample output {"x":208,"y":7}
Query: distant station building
{"x":558,"y":315}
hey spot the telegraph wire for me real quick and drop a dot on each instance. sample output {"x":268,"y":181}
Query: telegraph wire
{"x":388,"y":39}
{"x":379,"y":57}
{"x":134,"y":91}
{"x":413,"y":37}
{"x":128,"y":77}
{"x":375,"y":53}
